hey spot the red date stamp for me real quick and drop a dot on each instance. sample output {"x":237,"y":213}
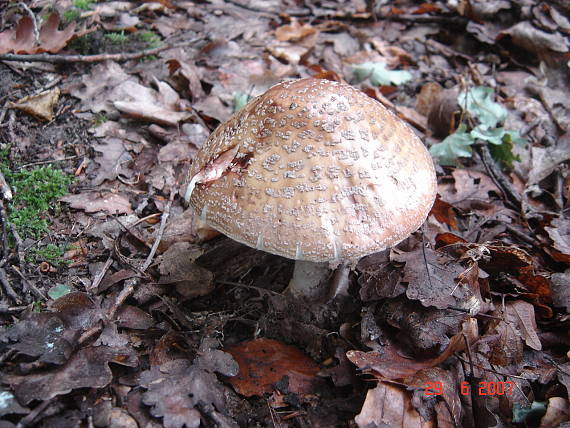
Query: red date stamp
{"x":483,"y":388}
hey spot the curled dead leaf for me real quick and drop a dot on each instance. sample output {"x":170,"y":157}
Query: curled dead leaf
{"x":40,"y":106}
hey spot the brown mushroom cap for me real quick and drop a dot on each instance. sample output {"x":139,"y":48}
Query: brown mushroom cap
{"x":314,"y":170}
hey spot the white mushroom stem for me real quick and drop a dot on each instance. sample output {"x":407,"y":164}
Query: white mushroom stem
{"x":319,"y":281}
{"x":309,"y":280}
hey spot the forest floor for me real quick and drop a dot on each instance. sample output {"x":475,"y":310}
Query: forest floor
{"x":118,"y":308}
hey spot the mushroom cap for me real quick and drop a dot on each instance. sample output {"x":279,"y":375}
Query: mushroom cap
{"x":313,"y":170}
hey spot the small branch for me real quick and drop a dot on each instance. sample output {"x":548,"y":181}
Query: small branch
{"x":163,"y":220}
{"x":8,"y":287}
{"x":29,"y":285}
{"x":25,"y":7}
{"x":497,"y":175}
{"x":65,"y":59}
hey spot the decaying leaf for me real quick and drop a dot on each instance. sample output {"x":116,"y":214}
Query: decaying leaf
{"x":40,"y":335}
{"x":87,"y":368}
{"x":111,"y":203}
{"x":519,"y":325}
{"x":264,"y":362}
{"x":176,"y":391}
{"x":388,"y":363}
{"x":557,"y":412}
{"x":436,"y":394}
{"x":163,"y":106}
{"x":432,"y":277}
{"x":423,"y":330}
{"x":389,"y":405}
{"x":40,"y":105}
{"x":21,"y":40}
{"x":293,"y":41}
{"x":176,"y":267}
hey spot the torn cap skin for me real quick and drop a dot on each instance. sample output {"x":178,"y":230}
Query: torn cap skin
{"x":313,"y":170}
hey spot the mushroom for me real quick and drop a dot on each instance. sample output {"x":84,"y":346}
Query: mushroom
{"x":316,"y":171}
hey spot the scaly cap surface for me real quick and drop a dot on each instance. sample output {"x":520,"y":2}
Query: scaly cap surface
{"x":314,"y":170}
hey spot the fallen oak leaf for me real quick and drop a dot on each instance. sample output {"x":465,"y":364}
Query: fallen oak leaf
{"x":387,"y":363}
{"x":22,"y":40}
{"x":88,"y":368}
{"x":53,"y":40}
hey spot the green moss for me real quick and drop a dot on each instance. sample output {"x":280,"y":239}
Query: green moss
{"x":83,"y":4}
{"x":152,"y":40}
{"x":51,"y":253}
{"x":71,"y":15}
{"x":34,"y":192}
{"x":117,"y":38}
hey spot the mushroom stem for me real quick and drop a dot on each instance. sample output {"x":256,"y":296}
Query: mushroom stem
{"x":308,"y":280}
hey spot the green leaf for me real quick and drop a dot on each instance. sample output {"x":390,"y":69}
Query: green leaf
{"x":453,"y":146}
{"x":514,"y":137}
{"x":379,"y":75}
{"x":503,"y":153}
{"x":58,"y":290}
{"x":479,"y":102}
{"x":240,"y":100}
{"x":493,"y":135}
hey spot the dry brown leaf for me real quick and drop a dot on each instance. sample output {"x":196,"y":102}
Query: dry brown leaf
{"x":528,"y":37}
{"x":389,"y":364}
{"x":560,"y":283}
{"x":87,"y":368}
{"x":524,"y":319}
{"x":163,"y":106}
{"x":40,"y":105}
{"x":176,"y":267}
{"x":111,"y":203}
{"x":294,"y":32}
{"x":557,"y":412}
{"x":470,"y":185}
{"x":264,"y":362}
{"x":293,"y":41}
{"x":431,"y":277}
{"x":432,"y":387}
{"x":389,"y":405}
{"x":177,"y":390}
{"x":519,"y":324}
{"x":21,"y":40}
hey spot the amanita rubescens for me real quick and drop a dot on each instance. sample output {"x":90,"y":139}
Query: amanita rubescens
{"x":315,"y":171}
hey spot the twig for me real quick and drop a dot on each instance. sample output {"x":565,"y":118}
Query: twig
{"x":253,"y":287}
{"x":19,"y":245}
{"x":29,"y":419}
{"x":454,"y":308}
{"x":490,"y":370}
{"x":4,"y":220}
{"x":8,"y":288}
{"x":64,"y":59}
{"x":163,"y":220}
{"x":130,"y":285}
{"x":428,"y":19}
{"x":29,"y":285}
{"x":525,"y":238}
{"x":511,"y":195}
{"x":99,"y":276}
{"x":5,"y":309}
{"x":25,"y":7}
{"x":47,"y":161}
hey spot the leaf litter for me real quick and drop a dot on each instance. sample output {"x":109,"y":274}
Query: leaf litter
{"x":203,"y":337}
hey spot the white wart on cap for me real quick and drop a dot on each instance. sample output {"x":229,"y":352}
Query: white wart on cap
{"x":313,"y":170}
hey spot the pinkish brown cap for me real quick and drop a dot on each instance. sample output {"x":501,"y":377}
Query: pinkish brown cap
{"x":313,"y":170}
